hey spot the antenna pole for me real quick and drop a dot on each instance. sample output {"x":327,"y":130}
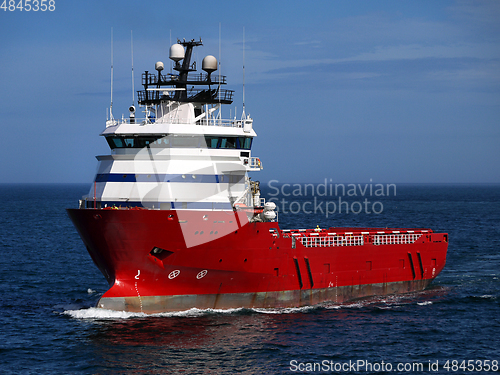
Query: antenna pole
{"x":220,"y":48}
{"x":243,"y":113}
{"x":111,"y":105}
{"x":132,"y":53}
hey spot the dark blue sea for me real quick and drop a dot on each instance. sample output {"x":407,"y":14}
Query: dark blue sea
{"x":49,"y":285}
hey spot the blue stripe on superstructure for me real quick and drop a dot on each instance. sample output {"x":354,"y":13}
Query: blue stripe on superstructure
{"x":161,"y":177}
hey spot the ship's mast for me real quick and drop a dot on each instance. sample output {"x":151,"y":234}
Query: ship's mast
{"x":185,"y":68}
{"x":181,"y":53}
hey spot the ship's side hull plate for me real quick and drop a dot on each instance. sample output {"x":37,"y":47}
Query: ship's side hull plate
{"x":276,"y":299}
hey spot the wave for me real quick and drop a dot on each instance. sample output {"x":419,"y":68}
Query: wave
{"x":94,"y":313}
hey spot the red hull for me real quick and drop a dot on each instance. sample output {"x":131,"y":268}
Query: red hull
{"x":154,"y":261}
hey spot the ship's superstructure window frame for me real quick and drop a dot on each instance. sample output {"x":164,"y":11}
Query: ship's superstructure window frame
{"x":179,"y":141}
{"x":135,"y":141}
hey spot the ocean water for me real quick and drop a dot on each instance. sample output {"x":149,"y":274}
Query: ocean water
{"x":49,"y":286}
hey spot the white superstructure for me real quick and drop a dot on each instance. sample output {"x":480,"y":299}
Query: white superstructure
{"x":182,"y":154}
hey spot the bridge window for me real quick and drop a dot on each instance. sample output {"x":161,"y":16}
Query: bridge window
{"x":174,"y":141}
{"x":134,"y":142}
{"x":244,"y":143}
{"x":183,"y":141}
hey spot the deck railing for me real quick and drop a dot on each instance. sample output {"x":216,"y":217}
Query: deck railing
{"x":317,"y":240}
{"x":255,"y":163}
{"x":175,"y":120}
{"x":395,"y":239}
{"x":329,"y":241}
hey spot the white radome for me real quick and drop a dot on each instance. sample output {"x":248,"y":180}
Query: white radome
{"x":209,"y":64}
{"x":176,"y":52}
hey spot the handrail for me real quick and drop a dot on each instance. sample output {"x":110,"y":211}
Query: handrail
{"x":170,"y":79}
{"x":317,"y":240}
{"x":395,"y":239}
{"x":329,"y":241}
{"x":172,"y":120}
{"x":255,"y":163}
{"x":194,"y":95}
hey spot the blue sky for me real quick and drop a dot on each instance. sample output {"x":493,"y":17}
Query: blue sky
{"x":348,"y":91}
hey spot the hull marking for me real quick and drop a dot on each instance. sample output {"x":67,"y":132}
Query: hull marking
{"x":201,"y":274}
{"x":174,"y":274}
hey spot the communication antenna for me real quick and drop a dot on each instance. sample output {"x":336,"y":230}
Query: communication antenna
{"x":132,"y":107}
{"x":111,"y":105}
{"x":220,"y":49}
{"x":132,"y":53}
{"x":243,"y":113}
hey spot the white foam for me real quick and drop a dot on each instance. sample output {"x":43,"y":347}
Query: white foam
{"x":333,"y":307}
{"x":194,"y":312}
{"x":347,"y":305}
{"x":284,"y":310}
{"x":424,"y":303}
{"x":96,"y":313}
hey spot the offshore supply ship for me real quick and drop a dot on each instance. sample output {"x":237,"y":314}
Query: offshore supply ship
{"x":173,"y":221}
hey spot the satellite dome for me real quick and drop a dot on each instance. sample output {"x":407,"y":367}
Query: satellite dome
{"x":209,"y":64}
{"x":159,"y":66}
{"x":176,"y":52}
